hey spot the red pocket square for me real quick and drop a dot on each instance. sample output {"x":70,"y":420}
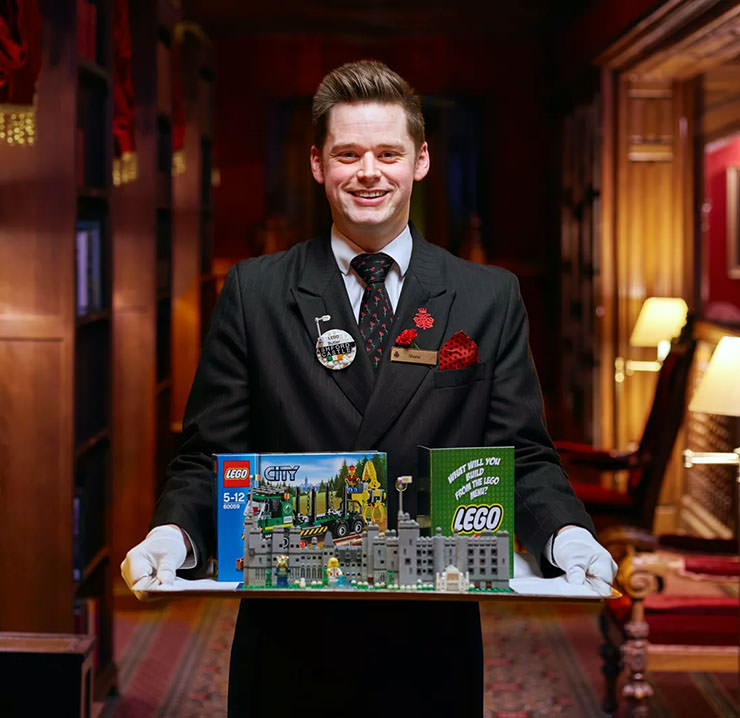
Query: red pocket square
{"x":458,"y":352}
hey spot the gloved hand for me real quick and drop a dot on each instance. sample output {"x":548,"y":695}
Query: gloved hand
{"x":155,"y":560}
{"x":583,"y":559}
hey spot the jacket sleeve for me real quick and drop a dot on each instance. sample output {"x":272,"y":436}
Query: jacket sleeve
{"x":216,"y":421}
{"x":544,"y":499}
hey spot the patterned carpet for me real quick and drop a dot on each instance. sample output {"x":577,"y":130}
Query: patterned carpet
{"x":541,"y":660}
{"x":173,"y":659}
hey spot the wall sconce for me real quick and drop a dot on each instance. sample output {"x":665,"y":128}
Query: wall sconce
{"x":660,"y":319}
{"x":718,"y":393}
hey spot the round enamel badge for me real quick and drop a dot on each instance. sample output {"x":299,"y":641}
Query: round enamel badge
{"x":335,"y":349}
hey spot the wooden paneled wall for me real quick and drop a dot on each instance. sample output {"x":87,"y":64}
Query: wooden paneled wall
{"x":721,"y":101}
{"x":651,"y":209}
{"x":134,"y":307}
{"x":650,"y":246}
{"x":653,"y":242}
{"x":37,"y":323}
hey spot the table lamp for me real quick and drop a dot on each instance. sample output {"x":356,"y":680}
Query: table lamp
{"x":660,"y":319}
{"x":718,"y":393}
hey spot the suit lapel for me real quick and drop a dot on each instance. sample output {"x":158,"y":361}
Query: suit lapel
{"x":321,"y":291}
{"x":424,"y":287}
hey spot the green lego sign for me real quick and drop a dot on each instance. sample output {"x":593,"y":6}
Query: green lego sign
{"x":467,"y":490}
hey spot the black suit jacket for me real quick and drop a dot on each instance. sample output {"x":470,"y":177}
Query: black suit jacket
{"x":259,"y":386}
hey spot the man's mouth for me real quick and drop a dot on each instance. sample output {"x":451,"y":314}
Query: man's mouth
{"x":368,"y":194}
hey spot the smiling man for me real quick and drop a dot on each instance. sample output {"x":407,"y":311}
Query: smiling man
{"x":263,"y":385}
{"x":368,"y":163}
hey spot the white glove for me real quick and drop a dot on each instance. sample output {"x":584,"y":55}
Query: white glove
{"x":155,"y":560}
{"x":583,"y":559}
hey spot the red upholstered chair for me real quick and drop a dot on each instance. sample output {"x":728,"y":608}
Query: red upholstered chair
{"x":646,"y":465}
{"x":665,"y":620}
{"x":679,"y":612}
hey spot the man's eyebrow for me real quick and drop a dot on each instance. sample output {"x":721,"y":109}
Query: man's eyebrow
{"x":354,"y":145}
{"x":343,"y":146}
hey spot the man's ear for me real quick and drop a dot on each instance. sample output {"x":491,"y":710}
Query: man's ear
{"x":316,"y":168}
{"x":422,"y":163}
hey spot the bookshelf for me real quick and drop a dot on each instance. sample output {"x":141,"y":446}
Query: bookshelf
{"x":134,"y":312}
{"x":88,"y":314}
{"x":143,"y":314}
{"x":93,"y":604}
{"x":56,"y":339}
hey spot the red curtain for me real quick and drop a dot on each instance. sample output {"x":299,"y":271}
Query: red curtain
{"x":124,"y":104}
{"x":20,"y":50}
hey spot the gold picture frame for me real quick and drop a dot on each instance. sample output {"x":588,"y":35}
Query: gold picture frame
{"x":733,"y":222}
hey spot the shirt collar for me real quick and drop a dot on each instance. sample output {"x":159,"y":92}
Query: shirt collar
{"x":345,"y":250}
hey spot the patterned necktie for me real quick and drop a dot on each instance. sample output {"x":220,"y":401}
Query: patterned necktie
{"x":376,"y":312}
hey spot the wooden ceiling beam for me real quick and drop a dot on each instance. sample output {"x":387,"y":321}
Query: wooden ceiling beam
{"x":680,"y":39}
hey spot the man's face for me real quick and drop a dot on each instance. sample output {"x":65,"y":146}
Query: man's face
{"x":368,"y":165}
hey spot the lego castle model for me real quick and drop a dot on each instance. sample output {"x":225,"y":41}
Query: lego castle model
{"x":401,"y":559}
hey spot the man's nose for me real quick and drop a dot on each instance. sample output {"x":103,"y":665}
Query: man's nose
{"x":368,"y":167}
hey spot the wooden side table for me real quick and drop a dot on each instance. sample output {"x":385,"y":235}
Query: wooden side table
{"x":46,"y":674}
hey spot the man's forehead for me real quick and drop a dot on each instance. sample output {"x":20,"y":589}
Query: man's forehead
{"x":347,"y":119}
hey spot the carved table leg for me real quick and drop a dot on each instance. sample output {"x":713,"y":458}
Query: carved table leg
{"x":637,"y":690}
{"x":637,"y":574}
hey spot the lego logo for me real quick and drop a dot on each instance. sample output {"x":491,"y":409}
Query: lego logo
{"x":236,"y":474}
{"x":469,"y":519}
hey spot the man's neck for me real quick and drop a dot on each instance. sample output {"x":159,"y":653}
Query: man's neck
{"x":369,"y":242}
{"x":345,"y":250}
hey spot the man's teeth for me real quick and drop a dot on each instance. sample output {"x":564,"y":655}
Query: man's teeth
{"x":369,"y":195}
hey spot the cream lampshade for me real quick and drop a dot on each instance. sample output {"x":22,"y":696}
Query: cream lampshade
{"x":719,"y":393}
{"x":660,"y":319}
{"x":719,"y":389}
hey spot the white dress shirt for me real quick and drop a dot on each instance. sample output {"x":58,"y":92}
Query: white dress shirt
{"x":345,"y":250}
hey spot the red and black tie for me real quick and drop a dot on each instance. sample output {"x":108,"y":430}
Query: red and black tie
{"x":376,"y":312}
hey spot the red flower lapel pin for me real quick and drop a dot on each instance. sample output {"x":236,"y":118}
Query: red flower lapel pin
{"x":423,"y":319}
{"x":407,"y":338}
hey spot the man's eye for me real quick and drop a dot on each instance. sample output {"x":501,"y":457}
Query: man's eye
{"x":388,"y":155}
{"x":348,"y":155}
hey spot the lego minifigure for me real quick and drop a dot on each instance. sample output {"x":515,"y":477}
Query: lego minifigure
{"x":281,"y":570}
{"x":351,"y":479}
{"x":334,"y":574}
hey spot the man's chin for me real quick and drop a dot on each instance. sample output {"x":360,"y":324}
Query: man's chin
{"x":373,"y":221}
{"x":372,"y":236}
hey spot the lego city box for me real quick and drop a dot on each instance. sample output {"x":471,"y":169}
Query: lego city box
{"x":236,"y":475}
{"x":341,"y":493}
{"x":467,"y":491}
